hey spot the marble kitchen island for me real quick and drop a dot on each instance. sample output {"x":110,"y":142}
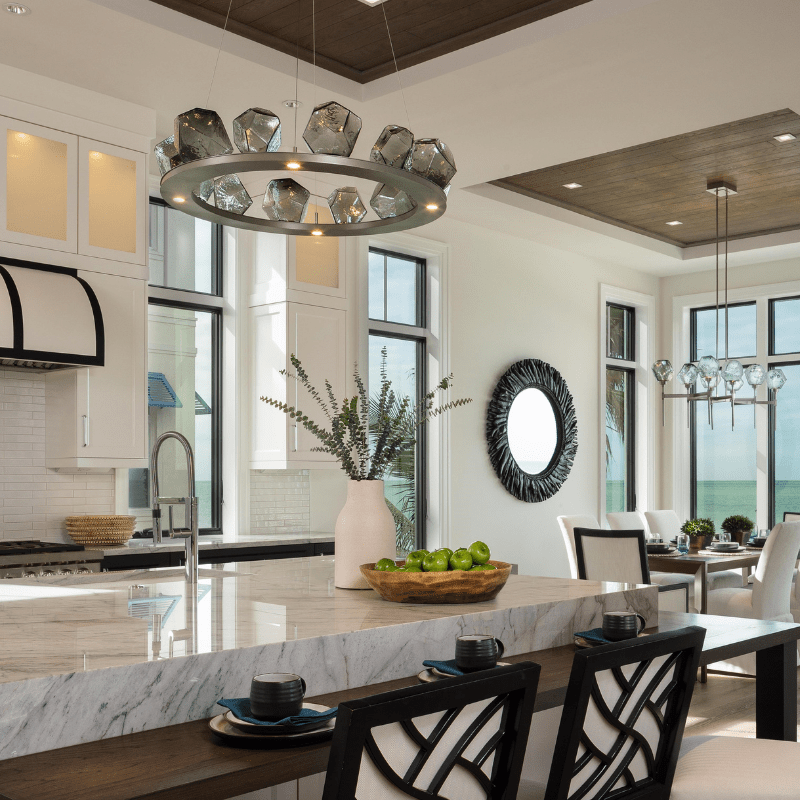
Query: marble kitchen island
{"x":79,"y":660}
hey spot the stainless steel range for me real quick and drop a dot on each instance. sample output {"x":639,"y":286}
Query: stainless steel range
{"x":34,"y":559}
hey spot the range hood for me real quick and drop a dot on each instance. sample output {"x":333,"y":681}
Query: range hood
{"x":49,"y":318}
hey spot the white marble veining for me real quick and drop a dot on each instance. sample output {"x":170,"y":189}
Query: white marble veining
{"x":221,"y":542}
{"x":77,"y":660}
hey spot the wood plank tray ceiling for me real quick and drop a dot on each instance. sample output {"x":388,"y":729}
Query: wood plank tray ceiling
{"x":351,"y":36}
{"x":642,"y":188}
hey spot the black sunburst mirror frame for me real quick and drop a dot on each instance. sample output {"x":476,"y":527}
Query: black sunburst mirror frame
{"x":531,"y":373}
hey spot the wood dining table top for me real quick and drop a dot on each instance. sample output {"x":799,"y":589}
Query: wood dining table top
{"x":186,"y":761}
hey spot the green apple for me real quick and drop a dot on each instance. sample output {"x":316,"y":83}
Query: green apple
{"x":409,"y":569}
{"x":415,"y":559}
{"x":479,"y":552}
{"x":483,"y":567}
{"x":445,"y":550}
{"x":461,"y":560}
{"x":435,"y":562}
{"x":385,"y":565}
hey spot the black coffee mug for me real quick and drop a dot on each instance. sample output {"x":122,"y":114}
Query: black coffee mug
{"x":276,"y":695}
{"x":476,"y":651}
{"x":619,"y":625}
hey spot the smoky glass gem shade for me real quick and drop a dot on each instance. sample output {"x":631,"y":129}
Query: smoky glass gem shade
{"x":167,"y":155}
{"x":346,"y":206}
{"x":776,"y":379}
{"x":688,"y":374}
{"x":389,"y":202}
{"x":285,"y":200}
{"x":432,"y":159}
{"x":226,"y":192}
{"x":733,"y":371}
{"x":393,"y":146}
{"x":332,"y":130}
{"x":755,"y":375}
{"x":257,"y":130}
{"x":709,"y":366}
{"x":662,"y":369}
{"x":200,"y":133}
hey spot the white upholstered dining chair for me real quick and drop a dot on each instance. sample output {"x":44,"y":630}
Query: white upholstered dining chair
{"x":568,"y":525}
{"x":620,"y":556}
{"x":770,"y":596}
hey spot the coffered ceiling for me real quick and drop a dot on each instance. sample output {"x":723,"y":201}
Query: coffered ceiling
{"x":351,"y":37}
{"x":645,"y":187}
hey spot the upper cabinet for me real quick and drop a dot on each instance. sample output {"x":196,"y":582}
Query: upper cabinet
{"x":68,"y":196}
{"x":112,"y":202}
{"x":38,"y":186}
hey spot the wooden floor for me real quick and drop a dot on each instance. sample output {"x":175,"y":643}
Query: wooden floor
{"x":726,"y":706}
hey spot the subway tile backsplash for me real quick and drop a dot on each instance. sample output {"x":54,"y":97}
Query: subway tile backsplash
{"x":280,"y":501}
{"x":34,"y":500}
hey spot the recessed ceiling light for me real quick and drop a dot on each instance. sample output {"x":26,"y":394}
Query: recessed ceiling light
{"x":573,"y":186}
{"x":675,"y":222}
{"x":784,"y":137}
{"x":17,"y":8}
{"x":372,"y":2}
{"x":292,"y":103}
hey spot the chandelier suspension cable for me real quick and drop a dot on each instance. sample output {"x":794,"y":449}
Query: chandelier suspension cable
{"x":396,"y":68}
{"x":716,"y":244}
{"x":296,"y":74}
{"x":216,"y":63}
{"x":726,"y":277}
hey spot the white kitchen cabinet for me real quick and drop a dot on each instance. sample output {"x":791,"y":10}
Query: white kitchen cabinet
{"x":38,"y":187}
{"x":112,"y":202}
{"x":316,"y":335}
{"x":97,"y":416}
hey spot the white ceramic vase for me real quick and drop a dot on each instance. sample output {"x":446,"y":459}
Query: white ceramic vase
{"x":365,"y":533}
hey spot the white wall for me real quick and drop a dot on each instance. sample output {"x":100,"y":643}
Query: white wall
{"x":752,"y":275}
{"x":512,"y":299}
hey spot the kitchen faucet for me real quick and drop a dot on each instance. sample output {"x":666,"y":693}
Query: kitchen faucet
{"x":189,"y":503}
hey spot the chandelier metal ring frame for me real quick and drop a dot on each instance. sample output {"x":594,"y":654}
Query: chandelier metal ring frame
{"x":184,"y":181}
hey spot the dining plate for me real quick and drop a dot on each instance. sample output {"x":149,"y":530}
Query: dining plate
{"x":432,"y":674}
{"x":274,"y":730}
{"x":232,"y":735}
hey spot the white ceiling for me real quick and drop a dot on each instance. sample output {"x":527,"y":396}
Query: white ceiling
{"x":606,"y":75}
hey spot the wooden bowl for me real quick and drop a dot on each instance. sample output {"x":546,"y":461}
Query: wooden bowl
{"x":453,"y":586}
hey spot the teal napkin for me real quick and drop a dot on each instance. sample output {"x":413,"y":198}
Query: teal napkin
{"x":448,"y":667}
{"x":594,"y":635}
{"x":241,"y":708}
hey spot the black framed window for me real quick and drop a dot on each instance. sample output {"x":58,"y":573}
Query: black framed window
{"x":398,"y":319}
{"x":784,"y":449}
{"x":184,"y":366}
{"x":723,"y":462}
{"x":620,"y":332}
{"x":620,"y":431}
{"x":185,"y":253}
{"x":784,"y":326}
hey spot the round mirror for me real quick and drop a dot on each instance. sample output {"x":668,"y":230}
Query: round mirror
{"x":532,"y":431}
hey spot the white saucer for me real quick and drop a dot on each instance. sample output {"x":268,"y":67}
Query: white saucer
{"x":273,"y":730}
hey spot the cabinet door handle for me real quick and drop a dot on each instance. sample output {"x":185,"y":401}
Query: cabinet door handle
{"x":85,"y":430}
{"x":294,"y":446}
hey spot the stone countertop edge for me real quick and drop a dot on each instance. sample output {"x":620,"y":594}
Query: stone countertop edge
{"x":51,"y":712}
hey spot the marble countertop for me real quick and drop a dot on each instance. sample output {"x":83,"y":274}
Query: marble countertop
{"x":80,"y":661}
{"x":219,"y":542}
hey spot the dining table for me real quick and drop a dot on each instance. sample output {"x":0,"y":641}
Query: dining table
{"x":186,"y":761}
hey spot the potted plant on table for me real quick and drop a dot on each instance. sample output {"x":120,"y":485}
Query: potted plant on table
{"x":368,"y":437}
{"x":739,"y":527}
{"x":701,"y":531}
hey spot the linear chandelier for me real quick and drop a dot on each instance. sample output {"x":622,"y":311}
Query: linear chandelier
{"x":710,"y":369}
{"x":200,"y":169}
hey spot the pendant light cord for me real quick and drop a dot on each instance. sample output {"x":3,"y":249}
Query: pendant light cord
{"x":216,"y":63}
{"x":716,"y":243}
{"x":396,"y":68}
{"x":296,"y":73}
{"x":726,"y":276}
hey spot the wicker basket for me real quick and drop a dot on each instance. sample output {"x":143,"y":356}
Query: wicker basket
{"x":111,"y":530}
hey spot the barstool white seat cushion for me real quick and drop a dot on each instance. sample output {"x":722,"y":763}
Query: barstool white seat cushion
{"x":568,"y":525}
{"x":723,"y":767}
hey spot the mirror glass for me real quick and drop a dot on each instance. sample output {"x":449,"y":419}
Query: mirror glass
{"x":532,"y":431}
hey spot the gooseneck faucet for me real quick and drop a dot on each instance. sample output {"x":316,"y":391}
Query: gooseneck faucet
{"x":189,"y":503}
